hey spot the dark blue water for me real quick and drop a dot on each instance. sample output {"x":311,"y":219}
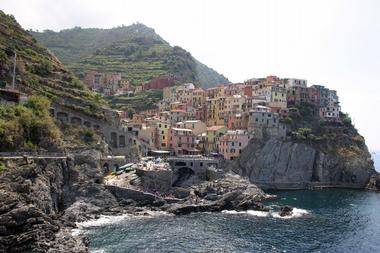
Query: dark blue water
{"x":338,"y":221}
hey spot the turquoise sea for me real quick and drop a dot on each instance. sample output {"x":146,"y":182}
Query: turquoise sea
{"x":324,"y":221}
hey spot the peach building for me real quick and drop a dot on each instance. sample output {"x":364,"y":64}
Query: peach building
{"x":197,"y":126}
{"x":232,"y":143}
{"x":182,"y":141}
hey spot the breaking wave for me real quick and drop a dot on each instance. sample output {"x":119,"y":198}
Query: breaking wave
{"x":296,"y":213}
{"x":105,"y":220}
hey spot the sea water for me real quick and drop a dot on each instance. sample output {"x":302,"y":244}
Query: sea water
{"x":323,"y":221}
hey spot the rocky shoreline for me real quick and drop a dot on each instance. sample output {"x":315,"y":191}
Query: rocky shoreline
{"x":44,"y":199}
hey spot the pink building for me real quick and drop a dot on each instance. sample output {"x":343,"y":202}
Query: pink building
{"x":237,"y":121}
{"x":200,"y":113}
{"x":182,"y":141}
{"x":231,"y":144}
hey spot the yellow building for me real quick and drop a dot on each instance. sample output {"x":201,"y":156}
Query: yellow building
{"x":162,"y":134}
{"x":199,"y":97}
{"x":169,"y":93}
{"x":197,"y":126}
{"x":215,"y":111}
{"x":278,"y":99}
{"x":234,"y":104}
{"x":213,"y":133}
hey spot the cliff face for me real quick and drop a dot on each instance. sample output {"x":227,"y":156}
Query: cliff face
{"x":40,"y":197}
{"x":294,"y":164}
{"x":314,"y":153}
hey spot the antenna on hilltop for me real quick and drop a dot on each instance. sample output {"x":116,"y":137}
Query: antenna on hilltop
{"x":14,"y":71}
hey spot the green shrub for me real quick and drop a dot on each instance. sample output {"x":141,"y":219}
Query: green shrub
{"x":287,"y":121}
{"x":302,"y":133}
{"x":88,"y":136}
{"x":44,"y":68}
{"x":2,"y":167}
{"x":3,"y":57}
{"x":346,"y":119}
{"x":28,"y":127}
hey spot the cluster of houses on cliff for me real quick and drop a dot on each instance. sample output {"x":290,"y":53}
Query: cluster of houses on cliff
{"x":113,"y":84}
{"x":222,"y":120}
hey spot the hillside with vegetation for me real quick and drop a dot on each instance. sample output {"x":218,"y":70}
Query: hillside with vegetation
{"x":45,"y":80}
{"x":38,"y":71}
{"x":136,"y":102}
{"x":136,"y":51}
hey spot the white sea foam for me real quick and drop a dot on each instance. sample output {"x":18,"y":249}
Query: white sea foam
{"x":296,"y":213}
{"x":104,"y":220}
{"x":98,"y":251}
{"x":76,"y":232}
{"x":249,"y":212}
{"x":258,"y":213}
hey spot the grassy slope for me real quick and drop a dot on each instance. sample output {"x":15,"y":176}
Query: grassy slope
{"x":135,"y":50}
{"x":137,"y":102}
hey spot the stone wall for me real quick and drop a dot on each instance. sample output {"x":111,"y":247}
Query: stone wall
{"x":118,"y":138}
{"x":126,"y":193}
{"x":160,"y":180}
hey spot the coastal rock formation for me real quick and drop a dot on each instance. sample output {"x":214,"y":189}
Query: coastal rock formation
{"x":289,"y":164}
{"x":40,"y":197}
{"x":228,"y":193}
{"x":374,"y":183}
{"x":286,"y":211}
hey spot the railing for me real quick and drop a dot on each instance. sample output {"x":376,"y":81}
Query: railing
{"x":33,"y":154}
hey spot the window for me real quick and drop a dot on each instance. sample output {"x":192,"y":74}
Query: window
{"x":201,"y":164}
{"x":180,"y":164}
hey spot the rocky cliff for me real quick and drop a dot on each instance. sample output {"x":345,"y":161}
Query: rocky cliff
{"x":40,"y":199}
{"x":279,"y":164}
{"x":328,"y":155}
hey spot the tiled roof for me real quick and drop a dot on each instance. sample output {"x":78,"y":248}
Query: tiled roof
{"x":214,"y":128}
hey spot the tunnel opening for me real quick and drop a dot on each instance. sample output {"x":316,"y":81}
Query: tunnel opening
{"x":183,"y":174}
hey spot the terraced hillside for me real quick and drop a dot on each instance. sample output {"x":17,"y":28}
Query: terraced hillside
{"x":38,"y":71}
{"x":136,"y":51}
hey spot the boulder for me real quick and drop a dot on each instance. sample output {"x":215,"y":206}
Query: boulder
{"x":286,"y":211}
{"x":374,"y":183}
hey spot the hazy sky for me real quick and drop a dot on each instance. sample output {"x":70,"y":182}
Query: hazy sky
{"x":335,"y":43}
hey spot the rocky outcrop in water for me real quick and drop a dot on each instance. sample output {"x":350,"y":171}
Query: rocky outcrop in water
{"x":289,"y":164}
{"x":230,"y":192}
{"x":374,"y":183}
